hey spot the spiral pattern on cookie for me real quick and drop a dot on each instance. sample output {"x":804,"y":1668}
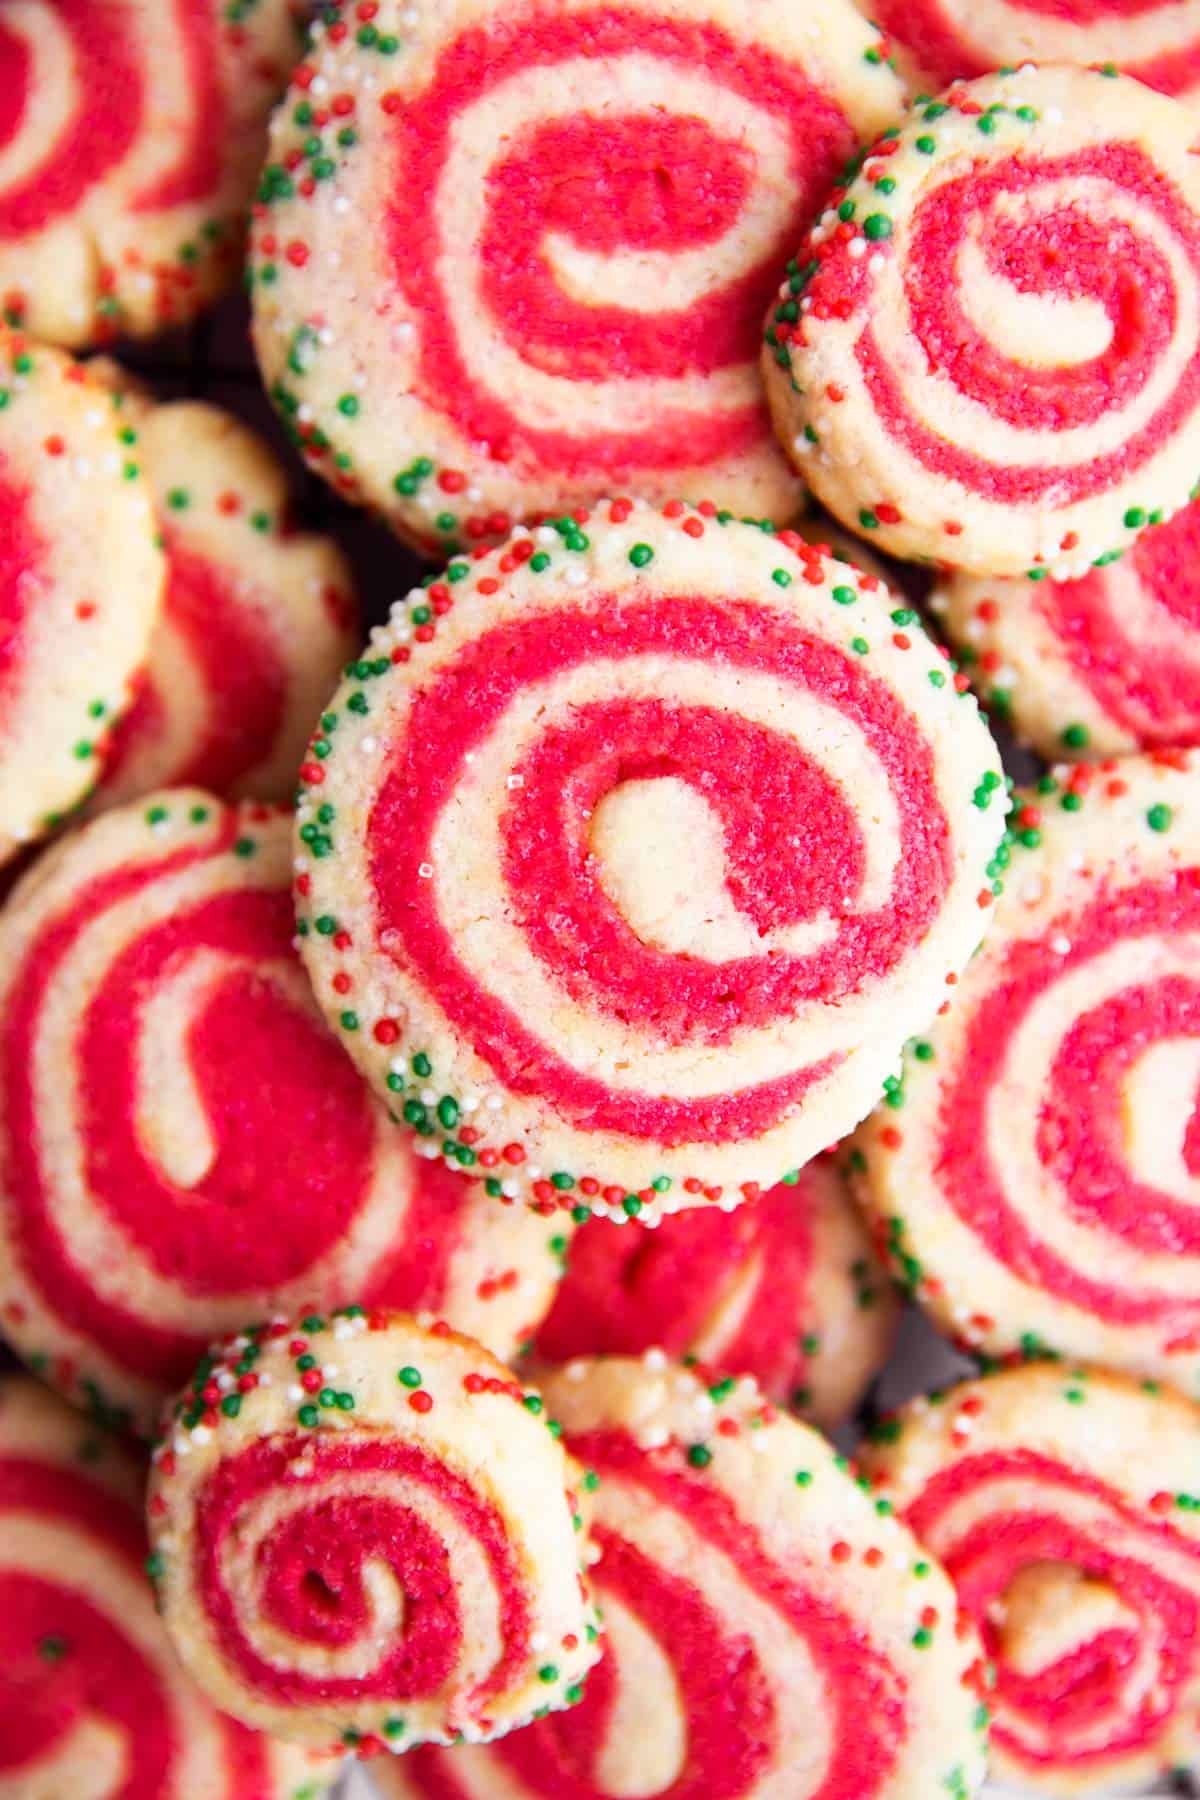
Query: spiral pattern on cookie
{"x":709,"y":801}
{"x":1094,"y":667}
{"x":170,"y":1094}
{"x":130,"y":137}
{"x":786,"y":1289}
{"x":1034,"y":1172}
{"x":763,"y":1622}
{"x":386,"y":1556}
{"x":987,"y":354}
{"x":950,"y":40}
{"x":1062,"y":1503}
{"x":258,"y":618}
{"x":81,"y":584}
{"x":581,"y":212}
{"x":92,"y":1699}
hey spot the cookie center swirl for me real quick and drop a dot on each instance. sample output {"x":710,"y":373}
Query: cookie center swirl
{"x":718,"y":838}
{"x":644,"y":177}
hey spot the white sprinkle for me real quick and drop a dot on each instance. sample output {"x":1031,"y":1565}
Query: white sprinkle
{"x":857,"y":248}
{"x":425,"y":871}
{"x":201,"y":1435}
{"x":509,"y":1189}
{"x":655,"y":1360}
{"x":514,"y":781}
{"x":1060,"y":945}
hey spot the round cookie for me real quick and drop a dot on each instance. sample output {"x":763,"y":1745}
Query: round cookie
{"x":987,"y":353}
{"x":257,"y":623}
{"x":1095,"y":667}
{"x":785,"y":1288}
{"x":93,"y":1702}
{"x":130,"y":139}
{"x":1033,"y":1174}
{"x":81,"y":583}
{"x":183,"y":1145}
{"x":638,"y":846}
{"x":768,"y":1629}
{"x":1061,"y":1501}
{"x":581,"y":212}
{"x":364,"y":1533}
{"x":951,"y":40}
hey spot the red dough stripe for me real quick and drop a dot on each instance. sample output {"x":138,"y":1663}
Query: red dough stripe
{"x":196,"y":173}
{"x":243,"y":673}
{"x":101,"y":132}
{"x":948,"y":52}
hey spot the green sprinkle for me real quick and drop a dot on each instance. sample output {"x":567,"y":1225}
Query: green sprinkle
{"x":845,"y":596}
{"x":699,"y":1455}
{"x":410,"y":1377}
{"x":548,"y":1673}
{"x":877,"y":226}
{"x":640,"y":555}
{"x":1159,"y":817}
{"x":781,"y":578}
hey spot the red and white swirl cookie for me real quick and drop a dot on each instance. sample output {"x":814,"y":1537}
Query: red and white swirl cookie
{"x":183,"y":1145}
{"x":1035,"y":1173}
{"x":768,"y":1629}
{"x":257,"y":623}
{"x":81,"y":583}
{"x":951,"y":40}
{"x":391,"y":1558}
{"x":639,"y":848}
{"x":579,"y":211}
{"x":1062,"y":1502}
{"x":93,"y":1702}
{"x":786,"y":1288}
{"x":131,"y":135}
{"x":1094,"y":667}
{"x":987,"y":353}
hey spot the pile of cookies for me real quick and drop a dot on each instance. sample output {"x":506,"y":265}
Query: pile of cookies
{"x":476,"y":1085}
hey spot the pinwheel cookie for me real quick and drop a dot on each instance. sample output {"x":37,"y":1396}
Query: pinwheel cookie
{"x":258,"y":620}
{"x":130,"y":138}
{"x":1034,"y":1172}
{"x":81,"y":583}
{"x":578,"y":212}
{"x":1106,"y":664}
{"x":1156,"y":40}
{"x":183,"y":1145}
{"x":987,"y":352}
{"x":768,"y":1629}
{"x":786,"y":1288}
{"x":94,"y":1704}
{"x":637,"y":847}
{"x":392,"y":1559}
{"x":1062,"y":1503}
